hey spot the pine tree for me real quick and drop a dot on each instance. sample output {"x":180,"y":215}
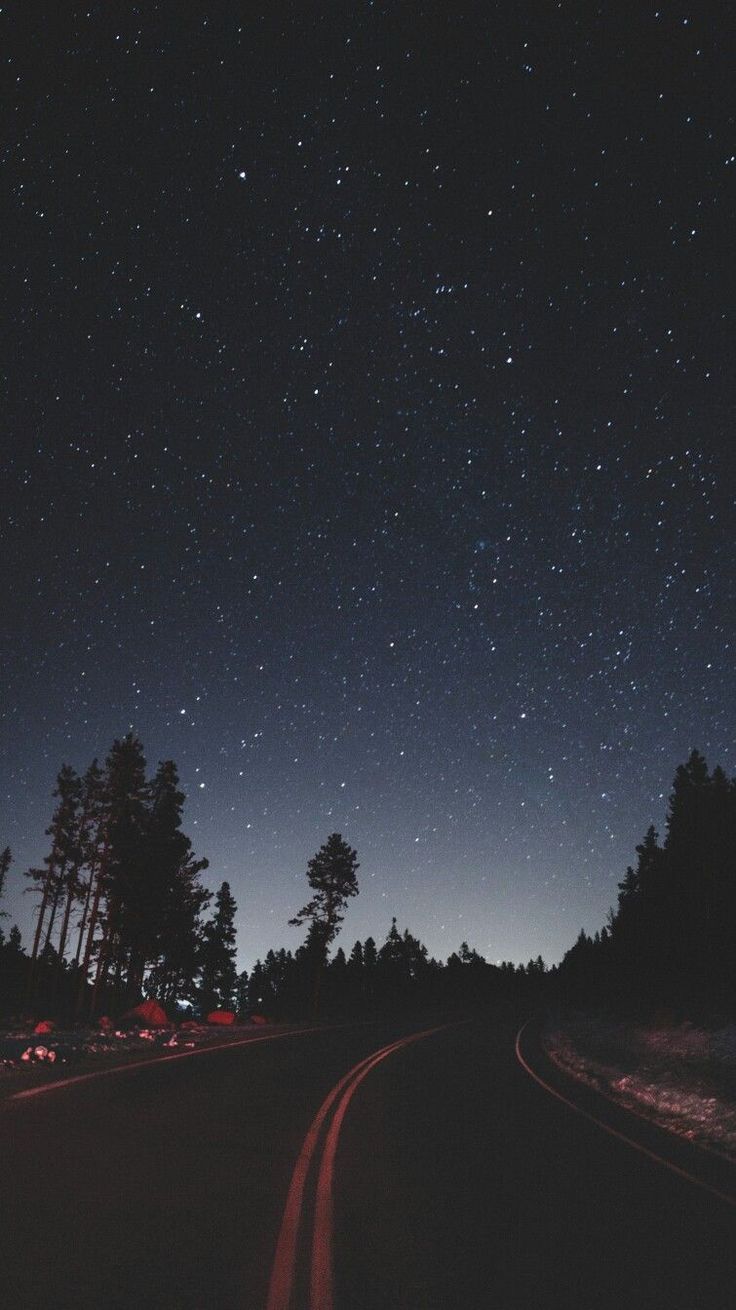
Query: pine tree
{"x":77,"y":889}
{"x":337,"y":983}
{"x":162,"y":921}
{"x":260,"y":992}
{"x":370,"y":955}
{"x":672,"y":935}
{"x":98,"y":864}
{"x":89,"y":841}
{"x":148,"y":893}
{"x":402,"y":966}
{"x":219,"y":978}
{"x":242,"y":994}
{"x":5,"y":862}
{"x":331,"y":874}
{"x":51,"y":879}
{"x":13,"y":965}
{"x":687,"y":917}
{"x":126,"y":795}
{"x":355,"y":979}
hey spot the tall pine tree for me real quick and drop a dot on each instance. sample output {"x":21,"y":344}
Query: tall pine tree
{"x":219,"y":976}
{"x":332,"y":876}
{"x":5,"y":862}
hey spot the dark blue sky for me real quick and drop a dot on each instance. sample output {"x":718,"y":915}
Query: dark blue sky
{"x":367,"y":441}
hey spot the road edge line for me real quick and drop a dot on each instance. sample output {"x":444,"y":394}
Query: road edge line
{"x":614,"y":1132}
{"x":158,"y":1059}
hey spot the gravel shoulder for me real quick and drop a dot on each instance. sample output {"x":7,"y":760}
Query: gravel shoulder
{"x":682,"y":1077}
{"x":29,"y":1059}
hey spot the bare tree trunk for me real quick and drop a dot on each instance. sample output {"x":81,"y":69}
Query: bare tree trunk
{"x":317,"y":989}
{"x":70,"y":897}
{"x":83,"y":920}
{"x":134,"y":980}
{"x":37,"y":935}
{"x":41,"y":917}
{"x":103,"y":959}
{"x":54,"y":904}
{"x":99,"y":877}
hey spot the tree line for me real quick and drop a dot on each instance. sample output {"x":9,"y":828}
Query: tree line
{"x":121,"y":914}
{"x":671,"y":938}
{"x":398,"y":975}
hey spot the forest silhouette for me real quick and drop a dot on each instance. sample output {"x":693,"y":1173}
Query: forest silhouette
{"x":121,"y":915}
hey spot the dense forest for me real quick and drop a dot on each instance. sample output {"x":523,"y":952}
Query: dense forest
{"x":671,"y":939}
{"x":121,"y":914}
{"x":120,"y":908}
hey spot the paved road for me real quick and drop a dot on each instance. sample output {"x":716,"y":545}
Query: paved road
{"x":458,"y":1182}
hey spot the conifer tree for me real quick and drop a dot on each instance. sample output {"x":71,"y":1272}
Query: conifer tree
{"x":13,"y":964}
{"x":119,"y":872}
{"x":260,"y":992}
{"x":219,"y":977}
{"x":370,"y":955}
{"x":89,"y":843}
{"x":355,"y":980}
{"x":5,"y":862}
{"x":159,"y":921}
{"x":337,"y":982}
{"x":50,"y":879}
{"x":242,"y":993}
{"x":331,"y":874}
{"x":81,"y":854}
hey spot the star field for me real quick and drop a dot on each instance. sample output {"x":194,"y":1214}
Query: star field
{"x":367,"y":442}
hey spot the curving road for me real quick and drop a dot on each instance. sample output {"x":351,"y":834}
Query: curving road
{"x":353,"y":1168}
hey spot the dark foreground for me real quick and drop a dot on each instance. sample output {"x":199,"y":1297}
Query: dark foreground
{"x":459,"y":1182}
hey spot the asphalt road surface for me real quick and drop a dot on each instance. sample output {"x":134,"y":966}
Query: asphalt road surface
{"x":439,"y":1175}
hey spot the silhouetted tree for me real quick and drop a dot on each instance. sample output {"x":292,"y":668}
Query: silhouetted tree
{"x":93,"y":801}
{"x":159,"y":917}
{"x":219,"y":975}
{"x":331,"y":874}
{"x":355,"y":979}
{"x":242,"y":993}
{"x":5,"y":862}
{"x":51,"y":879}
{"x":13,"y":965}
{"x":261,"y":997}
{"x":671,"y":937}
{"x":145,"y":890}
{"x":120,"y":874}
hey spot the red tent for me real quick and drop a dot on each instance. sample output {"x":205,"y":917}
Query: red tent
{"x":149,"y":1014}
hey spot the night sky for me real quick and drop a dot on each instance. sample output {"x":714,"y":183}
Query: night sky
{"x":367,"y":443}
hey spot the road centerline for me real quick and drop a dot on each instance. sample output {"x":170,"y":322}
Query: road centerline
{"x":281,"y":1284}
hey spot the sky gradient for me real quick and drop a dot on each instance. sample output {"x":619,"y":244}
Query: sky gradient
{"x":367,"y":441}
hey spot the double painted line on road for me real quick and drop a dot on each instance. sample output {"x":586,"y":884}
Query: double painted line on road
{"x":283,"y":1272}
